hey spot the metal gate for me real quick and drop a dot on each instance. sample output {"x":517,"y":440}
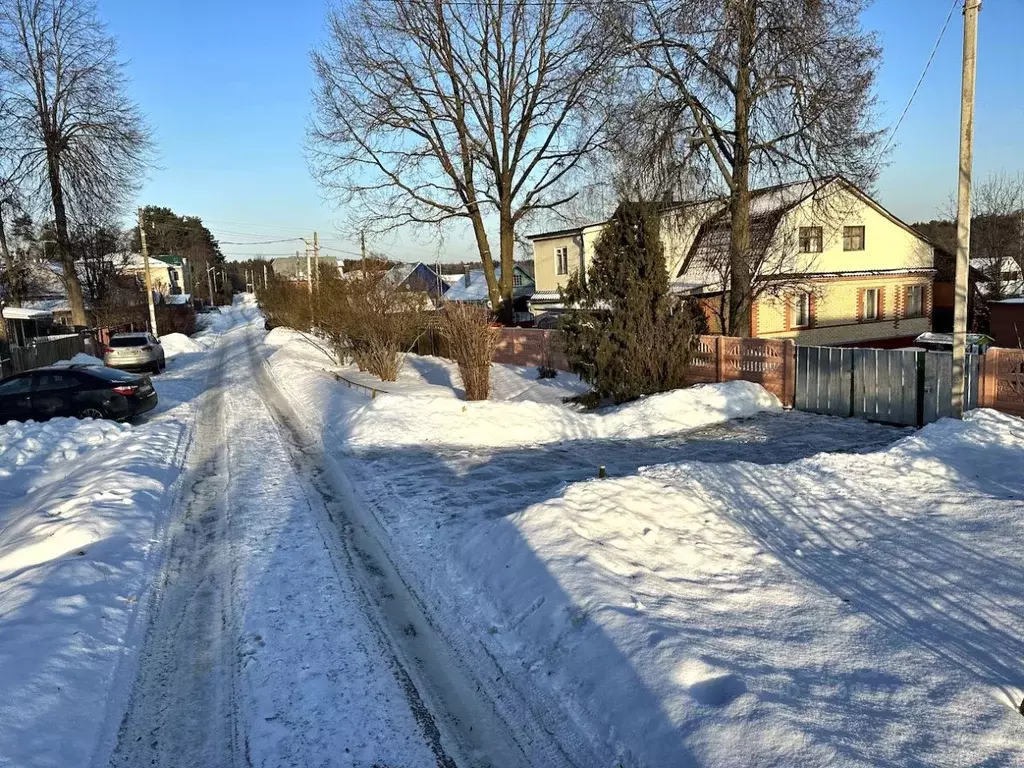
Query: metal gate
{"x":910,"y":387}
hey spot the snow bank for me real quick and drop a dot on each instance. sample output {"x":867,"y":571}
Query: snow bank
{"x":83,"y":506}
{"x":396,"y":421}
{"x":423,"y":408}
{"x":28,"y":448}
{"x":854,"y":610}
{"x":179,"y":344}
{"x":79,"y":359}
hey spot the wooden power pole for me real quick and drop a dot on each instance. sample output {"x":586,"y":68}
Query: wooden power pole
{"x":316,"y":258}
{"x":963,"y":210}
{"x":149,"y":280}
{"x":309,"y":267}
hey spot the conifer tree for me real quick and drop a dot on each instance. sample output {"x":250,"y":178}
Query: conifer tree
{"x":624,"y":331}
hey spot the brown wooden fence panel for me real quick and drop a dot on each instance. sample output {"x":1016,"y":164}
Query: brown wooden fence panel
{"x":768,"y":362}
{"x":1002,"y":381}
{"x":531,"y":347}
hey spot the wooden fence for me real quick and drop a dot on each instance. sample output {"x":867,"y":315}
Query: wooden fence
{"x":45,"y":352}
{"x":531,"y":346}
{"x":895,"y":386}
{"x":1001,"y":380}
{"x":767,"y":362}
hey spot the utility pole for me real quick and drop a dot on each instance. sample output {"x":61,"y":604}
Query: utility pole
{"x":264,"y":277}
{"x":316,"y":258}
{"x":309,"y":267}
{"x":149,"y":281}
{"x":209,"y":282}
{"x":963,"y":211}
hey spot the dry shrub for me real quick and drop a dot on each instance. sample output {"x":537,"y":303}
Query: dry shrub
{"x":286,"y":303}
{"x":368,"y":319}
{"x":472,"y":341}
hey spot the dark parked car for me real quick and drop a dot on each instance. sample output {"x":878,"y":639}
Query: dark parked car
{"x":82,"y":391}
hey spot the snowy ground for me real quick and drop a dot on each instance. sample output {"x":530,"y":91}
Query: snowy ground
{"x":272,"y":569}
{"x":83,"y":507}
{"x":785,"y":589}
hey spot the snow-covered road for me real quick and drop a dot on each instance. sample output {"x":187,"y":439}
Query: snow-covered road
{"x":262,"y":648}
{"x":274,"y":570}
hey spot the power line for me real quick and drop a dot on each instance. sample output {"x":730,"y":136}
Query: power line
{"x":920,"y":80}
{"x":263,"y":242}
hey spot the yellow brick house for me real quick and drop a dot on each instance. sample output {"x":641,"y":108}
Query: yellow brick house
{"x":833,"y":266}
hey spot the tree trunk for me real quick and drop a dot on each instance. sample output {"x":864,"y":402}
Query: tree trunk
{"x":67,"y":261}
{"x":507,"y":284}
{"x":740,"y":273}
{"x":484,"y":246}
{"x":11,"y":271}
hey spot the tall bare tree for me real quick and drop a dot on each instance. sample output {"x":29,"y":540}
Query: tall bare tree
{"x":75,"y":133}
{"x":431,"y":111}
{"x":757,"y":92}
{"x":997,"y":231}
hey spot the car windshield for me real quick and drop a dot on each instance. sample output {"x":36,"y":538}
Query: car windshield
{"x":128,"y":341}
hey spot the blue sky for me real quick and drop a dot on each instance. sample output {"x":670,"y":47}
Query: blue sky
{"x":226,"y":86}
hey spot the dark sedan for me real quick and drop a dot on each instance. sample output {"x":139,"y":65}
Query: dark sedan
{"x":87,"y":392}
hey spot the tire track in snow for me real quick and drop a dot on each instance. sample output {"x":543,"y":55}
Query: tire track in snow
{"x":452,"y":704}
{"x":183,"y":706}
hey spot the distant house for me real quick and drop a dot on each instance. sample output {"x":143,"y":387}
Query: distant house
{"x":296,"y":268}
{"x":472,"y":288}
{"x":832,"y":265}
{"x":170,"y":275}
{"x":418,"y":277}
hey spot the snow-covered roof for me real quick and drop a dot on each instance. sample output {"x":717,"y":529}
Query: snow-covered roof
{"x":946,"y":339}
{"x":476,"y":289}
{"x":180,"y":299}
{"x":23,"y":313}
{"x":399,"y":273}
{"x":53,"y":304}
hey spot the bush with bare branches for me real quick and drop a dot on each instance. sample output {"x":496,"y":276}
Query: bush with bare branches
{"x":472,"y":341}
{"x":382,"y":320}
{"x":285,"y":303}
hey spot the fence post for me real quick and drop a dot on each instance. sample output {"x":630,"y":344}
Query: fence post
{"x":789,"y":373}
{"x":988,"y":378}
{"x":719,"y":359}
{"x":919,"y":359}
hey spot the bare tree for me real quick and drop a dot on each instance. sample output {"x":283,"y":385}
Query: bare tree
{"x":997,"y":231}
{"x":757,"y":92}
{"x":76,"y":134}
{"x":430,"y":111}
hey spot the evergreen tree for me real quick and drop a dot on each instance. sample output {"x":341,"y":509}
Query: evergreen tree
{"x":624,"y":332}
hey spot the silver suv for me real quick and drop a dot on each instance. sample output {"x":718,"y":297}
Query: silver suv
{"x":135,"y":350}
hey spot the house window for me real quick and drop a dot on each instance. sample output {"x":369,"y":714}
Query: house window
{"x":517,"y":280}
{"x":802,"y":310}
{"x":871,"y":304}
{"x":1011,"y":275}
{"x":853,"y":238}
{"x":915,"y":301}
{"x":810,"y":239}
{"x":562,"y":261}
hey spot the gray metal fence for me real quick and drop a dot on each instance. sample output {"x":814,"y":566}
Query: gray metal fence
{"x":895,"y":386}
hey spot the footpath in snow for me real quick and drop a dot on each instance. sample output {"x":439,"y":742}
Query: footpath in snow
{"x":83,"y":507}
{"x":782,"y":590}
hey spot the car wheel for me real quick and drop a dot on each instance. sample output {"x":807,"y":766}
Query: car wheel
{"x":92,"y":412}
{"x":163,"y":363}
{"x":155,"y":368}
